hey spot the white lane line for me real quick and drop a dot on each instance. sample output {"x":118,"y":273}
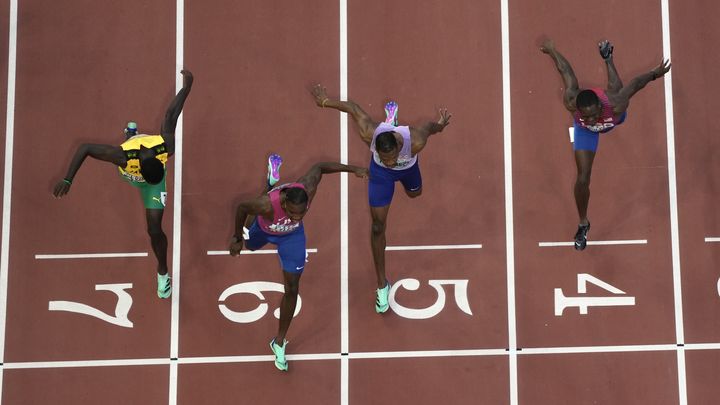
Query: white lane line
{"x":702,"y":346}
{"x":7,"y":178}
{"x":258,"y":358}
{"x":364,"y":355}
{"x":177,"y":205}
{"x":250,"y":252}
{"x":433,"y":247}
{"x":84,"y":363}
{"x":597,"y":243}
{"x":598,"y":349}
{"x":428,"y":353}
{"x":344,"y":212}
{"x":672,"y":188}
{"x":509,"y":222}
{"x":88,"y":255}
{"x":712,"y":239}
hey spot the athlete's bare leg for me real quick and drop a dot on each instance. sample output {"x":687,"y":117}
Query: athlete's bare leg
{"x":378,"y":242}
{"x":584,"y":161}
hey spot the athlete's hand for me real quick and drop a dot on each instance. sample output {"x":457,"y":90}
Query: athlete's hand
{"x":548,"y":46}
{"x":187,"y":78}
{"x":320,"y":94}
{"x":362,"y":172}
{"x":236,"y":245}
{"x":444,"y":118}
{"x":661,"y":69}
{"x":61,"y":188}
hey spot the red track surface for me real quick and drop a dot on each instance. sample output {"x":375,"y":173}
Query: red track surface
{"x":85,"y":68}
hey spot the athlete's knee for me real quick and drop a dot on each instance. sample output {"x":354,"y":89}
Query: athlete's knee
{"x":582,"y":181}
{"x":292,"y":288}
{"x":154,"y":229}
{"x":414,"y":194}
{"x":378,"y":227}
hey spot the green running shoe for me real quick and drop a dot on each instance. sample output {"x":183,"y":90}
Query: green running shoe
{"x":279,"y":352}
{"x":164,"y":288}
{"x":381,"y":299}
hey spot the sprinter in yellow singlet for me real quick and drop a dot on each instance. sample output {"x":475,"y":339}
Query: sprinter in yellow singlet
{"x":141,"y":160}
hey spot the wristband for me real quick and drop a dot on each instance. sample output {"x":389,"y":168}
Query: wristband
{"x":69,"y":182}
{"x":654,"y":76}
{"x":323,"y":102}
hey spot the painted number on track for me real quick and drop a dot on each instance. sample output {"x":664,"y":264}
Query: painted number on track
{"x":411,"y":284}
{"x":255,"y":288}
{"x":584,"y":302}
{"x":122,"y":308}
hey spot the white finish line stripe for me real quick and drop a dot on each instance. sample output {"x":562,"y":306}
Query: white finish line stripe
{"x":433,"y":247}
{"x":364,"y":356}
{"x":89,"y":255}
{"x":250,"y":252}
{"x":597,"y":243}
{"x":712,"y":239}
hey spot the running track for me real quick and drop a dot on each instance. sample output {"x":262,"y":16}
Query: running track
{"x":497,"y":184}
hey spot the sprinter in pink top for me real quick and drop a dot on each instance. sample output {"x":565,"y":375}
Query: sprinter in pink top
{"x":276,"y":217}
{"x":595,"y":111}
{"x":394,"y":159}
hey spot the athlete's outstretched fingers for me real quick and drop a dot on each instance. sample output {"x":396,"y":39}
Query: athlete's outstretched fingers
{"x":61,"y":188}
{"x":547,"y":46}
{"x":320,"y":94}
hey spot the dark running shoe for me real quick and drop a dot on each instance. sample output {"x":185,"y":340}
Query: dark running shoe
{"x":581,"y":236}
{"x":606,"y":49}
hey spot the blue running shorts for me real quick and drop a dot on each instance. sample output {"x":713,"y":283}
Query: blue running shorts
{"x":586,"y":139}
{"x":290,"y":246}
{"x":381,"y":185}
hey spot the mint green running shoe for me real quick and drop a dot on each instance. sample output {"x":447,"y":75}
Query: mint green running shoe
{"x":274,"y":163}
{"x":279,"y":352}
{"x":164,"y":287}
{"x":381,"y":299}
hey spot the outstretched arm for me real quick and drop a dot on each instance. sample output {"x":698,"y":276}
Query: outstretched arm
{"x":568,"y":76}
{"x":622,"y":100}
{"x":420,"y":136}
{"x":257,"y":206}
{"x":167,"y":129}
{"x":312,"y":178}
{"x":365,"y":124}
{"x":106,"y":153}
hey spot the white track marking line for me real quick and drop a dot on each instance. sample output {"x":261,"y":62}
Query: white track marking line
{"x":365,"y":355}
{"x":344,"y":215}
{"x":177,"y":205}
{"x":88,"y":255}
{"x":712,"y":239}
{"x":509,"y":224}
{"x":433,"y":247}
{"x":250,"y":252}
{"x":7,"y":185}
{"x":672,"y":188}
{"x":597,"y":243}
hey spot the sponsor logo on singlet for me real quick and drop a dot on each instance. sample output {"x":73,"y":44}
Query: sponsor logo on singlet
{"x":600,"y":126}
{"x":132,"y":177}
{"x":284,"y":225}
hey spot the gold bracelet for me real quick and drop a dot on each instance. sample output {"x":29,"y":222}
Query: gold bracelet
{"x":323,"y":102}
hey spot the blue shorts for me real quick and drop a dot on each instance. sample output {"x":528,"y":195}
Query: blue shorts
{"x":586,"y":139}
{"x":381,"y":185}
{"x":290,"y":246}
